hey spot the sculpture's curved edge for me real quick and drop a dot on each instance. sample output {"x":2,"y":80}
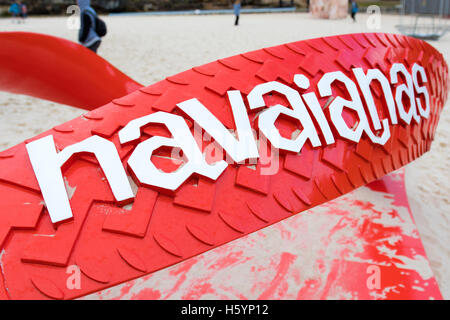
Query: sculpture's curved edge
{"x":59,"y":70}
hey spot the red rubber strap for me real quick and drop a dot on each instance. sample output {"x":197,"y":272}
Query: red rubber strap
{"x":59,"y":70}
{"x":111,"y":244}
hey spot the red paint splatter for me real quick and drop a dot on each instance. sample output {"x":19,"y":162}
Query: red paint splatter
{"x":365,"y":205}
{"x":285,"y":233}
{"x":125,"y":290}
{"x":235,"y":292}
{"x":146,"y":294}
{"x":309,"y":289}
{"x":393,"y":186}
{"x":285,"y":262}
{"x":332,"y":277}
{"x":183,"y":268}
{"x":198,"y":291}
{"x":228,"y":260}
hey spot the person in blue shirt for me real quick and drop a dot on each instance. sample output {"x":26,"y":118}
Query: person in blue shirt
{"x":354,"y":9}
{"x":87,"y":35}
{"x":14,"y":9}
{"x":237,"y":11}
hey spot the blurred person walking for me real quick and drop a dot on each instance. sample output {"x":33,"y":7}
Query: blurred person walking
{"x":237,"y":11}
{"x":354,"y":9}
{"x":23,"y":11}
{"x":92,"y":28}
{"x":14,"y":9}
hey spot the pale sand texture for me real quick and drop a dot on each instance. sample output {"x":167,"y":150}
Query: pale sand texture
{"x":150,"y":48}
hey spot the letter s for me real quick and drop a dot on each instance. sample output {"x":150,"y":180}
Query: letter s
{"x":421,"y":90}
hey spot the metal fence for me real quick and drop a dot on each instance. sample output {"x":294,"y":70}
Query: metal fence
{"x":425,"y":19}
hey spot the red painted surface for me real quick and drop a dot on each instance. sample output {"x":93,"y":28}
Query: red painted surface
{"x":35,"y":252}
{"x":323,"y":253}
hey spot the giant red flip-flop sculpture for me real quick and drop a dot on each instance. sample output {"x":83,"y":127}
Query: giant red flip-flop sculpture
{"x":309,"y":121}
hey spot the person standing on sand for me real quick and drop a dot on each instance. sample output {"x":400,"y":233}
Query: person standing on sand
{"x":354,"y":9}
{"x":14,"y":9}
{"x":237,"y":11}
{"x":87,"y":35}
{"x":23,"y":11}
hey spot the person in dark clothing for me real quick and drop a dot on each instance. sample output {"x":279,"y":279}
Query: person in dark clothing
{"x":23,"y":11}
{"x":87,"y":35}
{"x":237,"y":11}
{"x":354,"y":9}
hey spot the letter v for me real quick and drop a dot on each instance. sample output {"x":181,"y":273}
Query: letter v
{"x":238,"y":150}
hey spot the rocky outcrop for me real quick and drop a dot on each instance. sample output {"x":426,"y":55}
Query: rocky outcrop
{"x":329,"y":9}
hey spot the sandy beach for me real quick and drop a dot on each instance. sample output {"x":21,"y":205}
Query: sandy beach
{"x":149,"y":48}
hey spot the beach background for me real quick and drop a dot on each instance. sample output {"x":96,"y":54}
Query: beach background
{"x":150,"y":48}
